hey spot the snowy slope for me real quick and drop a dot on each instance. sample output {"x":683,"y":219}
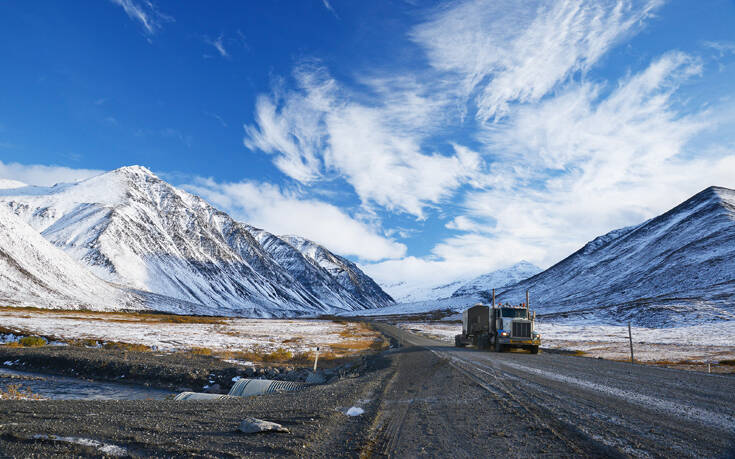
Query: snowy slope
{"x":316,"y":279}
{"x":133,"y":228}
{"x":347,"y":274}
{"x":35,"y":273}
{"x":675,"y":269}
{"x":498,"y":279}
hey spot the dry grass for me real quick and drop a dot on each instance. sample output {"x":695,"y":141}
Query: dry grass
{"x":201,"y":351}
{"x":279,"y":355}
{"x":727,"y":362}
{"x":127,"y":346}
{"x":118,"y":316}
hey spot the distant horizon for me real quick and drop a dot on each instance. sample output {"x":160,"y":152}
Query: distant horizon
{"x":439,"y":141}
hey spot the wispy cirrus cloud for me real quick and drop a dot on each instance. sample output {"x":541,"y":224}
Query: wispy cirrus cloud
{"x":509,"y":51}
{"x":330,"y":8}
{"x":218,"y":44}
{"x":319,"y":129}
{"x":145,"y":13}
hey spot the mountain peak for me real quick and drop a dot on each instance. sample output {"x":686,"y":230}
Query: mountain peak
{"x":134,"y":171}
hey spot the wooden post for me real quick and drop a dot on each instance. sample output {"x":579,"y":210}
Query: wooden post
{"x":630,"y":338}
{"x":493,"y":298}
{"x":316,"y":358}
{"x":527,"y":306}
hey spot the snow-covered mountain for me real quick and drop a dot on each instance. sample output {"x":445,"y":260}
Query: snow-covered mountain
{"x":498,"y":279}
{"x":409,"y":292}
{"x":675,"y":269}
{"x":35,"y":273}
{"x":132,"y":228}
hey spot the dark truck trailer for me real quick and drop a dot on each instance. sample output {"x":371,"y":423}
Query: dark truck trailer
{"x":475,"y":327}
{"x":499,"y":327}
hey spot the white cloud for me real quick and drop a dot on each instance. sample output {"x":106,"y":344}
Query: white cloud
{"x":218,"y":44}
{"x":506,"y":51}
{"x":41,"y":175}
{"x":319,"y":129}
{"x":280,"y":212}
{"x":144,"y":12}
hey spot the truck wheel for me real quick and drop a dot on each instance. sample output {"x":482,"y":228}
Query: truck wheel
{"x":458,"y":341}
{"x":534,"y":349}
{"x":498,"y":346}
{"x":483,"y":342}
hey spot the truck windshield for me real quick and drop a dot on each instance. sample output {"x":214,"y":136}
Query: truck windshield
{"x":514,"y":313}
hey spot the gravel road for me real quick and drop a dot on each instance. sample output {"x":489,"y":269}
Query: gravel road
{"x":595,"y":407}
{"x":421,"y":399}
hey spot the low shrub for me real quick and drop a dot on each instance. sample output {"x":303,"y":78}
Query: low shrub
{"x":32,"y":341}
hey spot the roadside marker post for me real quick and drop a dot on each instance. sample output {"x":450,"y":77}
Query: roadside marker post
{"x":630,"y":338}
{"x":316,"y":358}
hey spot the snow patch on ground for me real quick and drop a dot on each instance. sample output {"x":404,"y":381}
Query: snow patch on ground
{"x":111,"y":450}
{"x":698,"y":343}
{"x":236,"y":334}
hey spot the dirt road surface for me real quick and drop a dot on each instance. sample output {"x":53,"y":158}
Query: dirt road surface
{"x":420,"y":399}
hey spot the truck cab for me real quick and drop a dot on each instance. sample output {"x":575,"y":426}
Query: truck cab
{"x":513,"y":326}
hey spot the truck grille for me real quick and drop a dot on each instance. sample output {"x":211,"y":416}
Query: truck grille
{"x":522,"y":329}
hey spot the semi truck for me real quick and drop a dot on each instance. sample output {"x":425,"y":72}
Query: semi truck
{"x":499,"y":327}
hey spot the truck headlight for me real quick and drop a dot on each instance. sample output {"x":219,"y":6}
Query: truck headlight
{"x":504,"y":333}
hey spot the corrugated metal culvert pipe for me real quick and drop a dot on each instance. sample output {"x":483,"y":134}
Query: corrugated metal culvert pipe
{"x":247,"y":387}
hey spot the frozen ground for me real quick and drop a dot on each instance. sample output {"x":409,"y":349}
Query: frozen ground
{"x":263,"y":335}
{"x":699,"y":343}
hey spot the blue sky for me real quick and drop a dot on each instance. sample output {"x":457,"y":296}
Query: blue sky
{"x":429,"y":141}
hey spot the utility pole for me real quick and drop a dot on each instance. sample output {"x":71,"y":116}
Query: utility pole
{"x":630,"y":338}
{"x":493,"y":298}
{"x":527,"y":305}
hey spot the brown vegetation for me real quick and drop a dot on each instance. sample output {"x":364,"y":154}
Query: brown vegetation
{"x":17,"y":392}
{"x":122,"y":316}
